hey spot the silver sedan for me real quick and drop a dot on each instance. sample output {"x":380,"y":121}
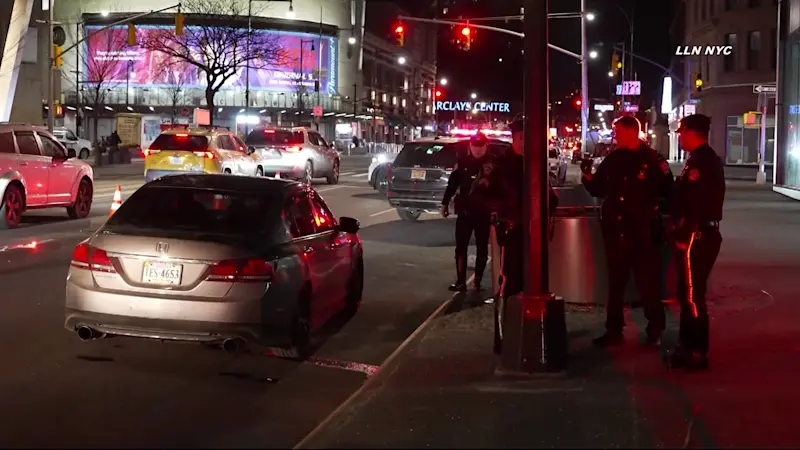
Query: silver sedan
{"x":217,"y":259}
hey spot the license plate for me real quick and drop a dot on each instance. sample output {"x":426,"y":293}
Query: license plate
{"x":161,"y":273}
{"x":175,"y":160}
{"x":417,"y":174}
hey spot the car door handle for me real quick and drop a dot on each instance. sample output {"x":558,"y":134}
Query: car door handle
{"x":23,"y":164}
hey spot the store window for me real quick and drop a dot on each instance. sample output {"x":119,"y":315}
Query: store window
{"x":790,"y":115}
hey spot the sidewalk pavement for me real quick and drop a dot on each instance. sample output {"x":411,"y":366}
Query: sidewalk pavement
{"x":134,"y":169}
{"x":443,"y":392}
{"x":738,"y":173}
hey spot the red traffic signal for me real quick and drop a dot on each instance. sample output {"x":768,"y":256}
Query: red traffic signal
{"x":400,"y":35}
{"x":578,"y":102}
{"x":438,"y":93}
{"x":466,"y":31}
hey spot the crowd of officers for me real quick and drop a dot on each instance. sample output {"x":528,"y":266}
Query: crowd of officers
{"x":639,"y":193}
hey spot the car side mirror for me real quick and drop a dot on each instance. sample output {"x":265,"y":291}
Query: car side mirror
{"x":349,"y":225}
{"x":71,"y":153}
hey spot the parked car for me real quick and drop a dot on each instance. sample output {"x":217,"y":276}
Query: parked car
{"x":418,"y":176}
{"x":199,"y":150}
{"x":558,"y":166}
{"x":296,"y":153}
{"x":376,"y":174}
{"x":82,"y":147}
{"x":219,"y":260}
{"x":37,"y":171}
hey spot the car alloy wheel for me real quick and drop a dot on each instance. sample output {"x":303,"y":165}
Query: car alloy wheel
{"x":308,"y":176}
{"x":83,"y":201}
{"x":12,"y":206}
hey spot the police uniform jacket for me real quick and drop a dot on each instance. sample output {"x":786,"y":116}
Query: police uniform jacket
{"x":464,"y":185}
{"x":506,"y":189}
{"x":633,"y":184}
{"x":699,"y":193}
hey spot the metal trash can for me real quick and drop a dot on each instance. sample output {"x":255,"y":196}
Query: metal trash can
{"x":577,"y":256}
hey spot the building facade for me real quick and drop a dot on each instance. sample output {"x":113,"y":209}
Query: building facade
{"x":787,"y":166}
{"x":749,"y":26}
{"x":318,"y":82}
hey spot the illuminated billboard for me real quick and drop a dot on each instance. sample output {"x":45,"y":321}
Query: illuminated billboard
{"x":111,"y":61}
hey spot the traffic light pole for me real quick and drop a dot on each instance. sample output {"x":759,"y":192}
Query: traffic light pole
{"x":51,"y":106}
{"x":534,"y":323}
{"x":584,"y":80}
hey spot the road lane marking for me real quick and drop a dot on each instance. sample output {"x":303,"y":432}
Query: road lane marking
{"x":382,"y":212}
{"x":360,"y":175}
{"x":344,"y":174}
{"x":367,"y":369}
{"x":330,"y":189}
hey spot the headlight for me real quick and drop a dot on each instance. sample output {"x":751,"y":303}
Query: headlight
{"x":379,"y":159}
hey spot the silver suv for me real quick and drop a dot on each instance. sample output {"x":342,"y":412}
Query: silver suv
{"x":37,"y":171}
{"x":296,"y":153}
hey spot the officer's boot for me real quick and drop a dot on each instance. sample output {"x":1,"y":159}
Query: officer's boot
{"x":461,"y":275}
{"x":480,"y":267}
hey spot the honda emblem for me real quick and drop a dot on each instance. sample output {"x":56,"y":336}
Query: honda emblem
{"x":162,"y":247}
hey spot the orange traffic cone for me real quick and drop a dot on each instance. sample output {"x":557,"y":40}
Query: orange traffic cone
{"x":117,"y":201}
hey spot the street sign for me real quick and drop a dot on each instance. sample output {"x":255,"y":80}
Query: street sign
{"x":765,"y":89}
{"x":603,"y":107}
{"x":317,"y":111}
{"x":629,"y":88}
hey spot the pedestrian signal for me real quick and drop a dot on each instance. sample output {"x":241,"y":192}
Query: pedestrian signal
{"x":179,"y":24}
{"x":131,"y":35}
{"x":58,"y":58}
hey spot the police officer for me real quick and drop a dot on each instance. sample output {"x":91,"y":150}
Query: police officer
{"x":506,"y":190}
{"x":631,"y":180}
{"x":696,"y":211}
{"x":473,"y":212}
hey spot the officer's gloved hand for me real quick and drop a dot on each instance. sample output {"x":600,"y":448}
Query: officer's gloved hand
{"x":586,"y":166}
{"x":444,"y":210}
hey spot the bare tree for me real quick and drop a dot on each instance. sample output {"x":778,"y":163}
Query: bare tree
{"x":104,"y":67}
{"x":176,"y":81}
{"x":215,"y":43}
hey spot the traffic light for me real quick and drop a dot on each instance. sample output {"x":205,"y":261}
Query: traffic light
{"x":438,"y":93}
{"x":616,"y":64}
{"x":58,"y":58}
{"x":131,"y":35}
{"x":59,"y":112}
{"x":400,"y":35}
{"x":578,"y":103}
{"x":179,"y":24}
{"x":698,"y":82}
{"x":466,"y":35}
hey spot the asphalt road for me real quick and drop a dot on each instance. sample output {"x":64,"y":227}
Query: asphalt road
{"x":60,"y":392}
{"x":57,"y":391}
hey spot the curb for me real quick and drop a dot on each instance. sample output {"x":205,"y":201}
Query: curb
{"x":384,"y":370}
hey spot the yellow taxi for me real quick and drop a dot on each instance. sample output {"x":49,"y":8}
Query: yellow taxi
{"x":199,"y":150}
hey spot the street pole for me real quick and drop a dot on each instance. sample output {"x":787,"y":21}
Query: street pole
{"x":584,"y":80}
{"x":622,"y":82}
{"x":761,"y":176}
{"x":77,"y":80}
{"x":51,"y":88}
{"x":534,"y":326}
{"x":247,"y":67}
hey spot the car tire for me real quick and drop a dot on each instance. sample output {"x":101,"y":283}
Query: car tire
{"x":308,"y":173}
{"x":411,"y":216}
{"x":12,"y":207}
{"x":381,"y":182}
{"x":553,"y":180}
{"x":300,"y":347}
{"x":259,"y":171}
{"x":83,"y":154}
{"x":333,"y":178}
{"x":355,"y":288}
{"x":83,"y":201}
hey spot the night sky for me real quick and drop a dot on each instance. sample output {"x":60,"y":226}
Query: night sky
{"x":480,"y":70}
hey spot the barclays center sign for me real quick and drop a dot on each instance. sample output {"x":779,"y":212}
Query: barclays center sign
{"x":473,"y":106}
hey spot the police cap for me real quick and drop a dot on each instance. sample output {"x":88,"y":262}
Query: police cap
{"x":517,"y":126}
{"x":478,"y":140}
{"x":698,"y":123}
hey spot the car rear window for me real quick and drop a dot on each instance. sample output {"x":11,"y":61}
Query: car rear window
{"x":184,"y":142}
{"x":430,"y":154}
{"x":274,"y":137}
{"x":200,"y":214}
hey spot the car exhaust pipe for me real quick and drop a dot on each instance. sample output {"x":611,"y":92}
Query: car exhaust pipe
{"x":234,"y":345}
{"x":88,"y":334}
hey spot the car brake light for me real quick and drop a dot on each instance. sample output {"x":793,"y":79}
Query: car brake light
{"x":150,"y":151}
{"x":294,"y":149}
{"x":269,"y":131}
{"x":91,"y":258}
{"x":242,"y":271}
{"x":208,"y":155}
{"x":182,"y":135}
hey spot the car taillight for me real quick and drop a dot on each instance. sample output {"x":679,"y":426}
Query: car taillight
{"x":294,"y":149}
{"x":242,"y":271}
{"x":150,"y":151}
{"x":207,"y":155}
{"x":388,"y":171}
{"x":91,"y":258}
